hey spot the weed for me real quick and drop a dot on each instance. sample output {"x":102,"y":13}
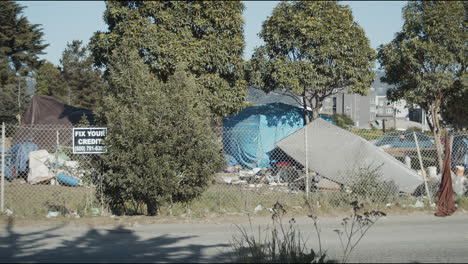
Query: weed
{"x":355,"y":228}
{"x":284,"y":245}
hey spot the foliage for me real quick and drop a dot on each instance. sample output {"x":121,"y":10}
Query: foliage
{"x":342,"y":120}
{"x":20,"y":45}
{"x":367,"y":184}
{"x":160,"y":145}
{"x":313,"y":49}
{"x":207,"y":36}
{"x":426,"y":61}
{"x":286,"y":244}
{"x":355,"y":228}
{"x":455,"y":110}
{"x":85,"y":83}
{"x":414,"y":128}
{"x":49,"y":81}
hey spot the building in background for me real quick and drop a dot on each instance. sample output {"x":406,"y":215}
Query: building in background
{"x":367,"y":111}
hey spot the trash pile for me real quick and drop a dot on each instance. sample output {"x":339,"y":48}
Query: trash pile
{"x":26,"y":160}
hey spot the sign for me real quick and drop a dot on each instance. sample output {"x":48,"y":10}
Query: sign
{"x":89,"y":140}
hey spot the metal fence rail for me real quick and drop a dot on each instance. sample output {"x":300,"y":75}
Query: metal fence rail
{"x":42,"y":175}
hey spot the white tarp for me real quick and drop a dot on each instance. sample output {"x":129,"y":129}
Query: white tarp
{"x":39,"y":167}
{"x":334,"y":153}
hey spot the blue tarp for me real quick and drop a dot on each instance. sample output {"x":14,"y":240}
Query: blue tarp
{"x":18,"y":156}
{"x":250,"y":135}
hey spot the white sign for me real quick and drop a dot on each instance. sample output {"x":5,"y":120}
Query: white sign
{"x":89,"y":140}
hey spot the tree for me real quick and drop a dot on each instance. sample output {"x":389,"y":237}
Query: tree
{"x":455,"y":110}
{"x":49,"y":81}
{"x":85,"y":83}
{"x":312,"y":49}
{"x":20,"y":45}
{"x":205,"y":35}
{"x":160,"y":145}
{"x":426,"y":61}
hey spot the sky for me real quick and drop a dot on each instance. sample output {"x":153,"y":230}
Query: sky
{"x":64,"y":21}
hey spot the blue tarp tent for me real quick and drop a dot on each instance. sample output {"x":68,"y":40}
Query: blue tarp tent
{"x":18,"y":158}
{"x":250,"y":135}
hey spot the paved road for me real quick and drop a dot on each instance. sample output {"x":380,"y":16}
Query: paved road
{"x":393,"y":239}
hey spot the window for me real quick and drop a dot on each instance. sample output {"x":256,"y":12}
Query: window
{"x":334,"y":105}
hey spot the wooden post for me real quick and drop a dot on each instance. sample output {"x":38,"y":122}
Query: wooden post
{"x":2,"y":197}
{"x":307,"y":163}
{"x":422,"y":168}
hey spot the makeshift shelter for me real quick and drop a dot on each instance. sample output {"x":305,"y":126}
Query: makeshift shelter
{"x":48,"y":110}
{"x":249,"y":136}
{"x":335,"y":153}
{"x":46,"y":114}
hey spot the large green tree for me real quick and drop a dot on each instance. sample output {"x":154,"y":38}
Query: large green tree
{"x":313,"y":49}
{"x":426,"y":61}
{"x":85,"y":83}
{"x":50,"y":81}
{"x":160,"y":145}
{"x":20,"y":45}
{"x":205,"y":35}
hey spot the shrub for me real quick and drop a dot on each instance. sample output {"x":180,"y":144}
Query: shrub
{"x":160,"y":144}
{"x":367,"y":184}
{"x":342,"y":120}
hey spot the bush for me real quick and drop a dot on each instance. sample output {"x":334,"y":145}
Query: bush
{"x":367,"y":184}
{"x":342,"y":120}
{"x":160,"y":144}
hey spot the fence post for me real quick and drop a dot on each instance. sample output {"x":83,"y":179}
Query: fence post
{"x":307,"y":163}
{"x":422,"y":167}
{"x":2,"y":197}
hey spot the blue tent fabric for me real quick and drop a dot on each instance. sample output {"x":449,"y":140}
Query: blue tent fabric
{"x":250,"y":135}
{"x":19,"y":154}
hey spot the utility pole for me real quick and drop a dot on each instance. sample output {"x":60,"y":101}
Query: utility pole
{"x":19,"y":99}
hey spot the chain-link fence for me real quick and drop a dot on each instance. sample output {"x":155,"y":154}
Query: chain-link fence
{"x":42,"y":175}
{"x":328,"y":167}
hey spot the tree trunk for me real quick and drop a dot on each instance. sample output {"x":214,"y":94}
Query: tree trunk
{"x":152,"y":207}
{"x":316,"y":109}
{"x":306,"y":113}
{"x":315,"y":114}
{"x":436,"y":131}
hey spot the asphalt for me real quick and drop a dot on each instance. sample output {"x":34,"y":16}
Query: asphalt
{"x":422,"y":238}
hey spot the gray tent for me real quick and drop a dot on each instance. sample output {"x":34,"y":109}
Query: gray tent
{"x":334,"y":153}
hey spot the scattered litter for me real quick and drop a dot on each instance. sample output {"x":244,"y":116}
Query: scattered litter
{"x":297,"y":207}
{"x":258,"y":208}
{"x":389,"y":205}
{"x":95,"y":211}
{"x":239,"y":182}
{"x":459,"y":185}
{"x":227,"y":180}
{"x":418,"y":204}
{"x":52,"y":214}
{"x":8,"y":212}
{"x":74,"y":215}
{"x":433,"y":205}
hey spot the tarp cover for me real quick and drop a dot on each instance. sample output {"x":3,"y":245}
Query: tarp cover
{"x":19,"y":156}
{"x":250,"y":136}
{"x":39,"y":163}
{"x":48,"y":110}
{"x":335,"y":153}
